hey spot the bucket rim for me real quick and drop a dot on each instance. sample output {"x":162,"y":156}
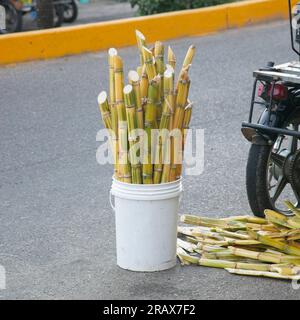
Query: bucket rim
{"x":149,"y":184}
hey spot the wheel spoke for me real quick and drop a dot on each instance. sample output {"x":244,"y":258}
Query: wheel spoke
{"x":278,"y":159}
{"x":282,"y":182}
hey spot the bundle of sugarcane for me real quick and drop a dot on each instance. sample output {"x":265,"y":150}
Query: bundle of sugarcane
{"x":244,"y":245}
{"x":152,"y":101}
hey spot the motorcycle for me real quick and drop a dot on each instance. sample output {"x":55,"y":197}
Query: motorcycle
{"x":63,"y":11}
{"x":273,"y":167}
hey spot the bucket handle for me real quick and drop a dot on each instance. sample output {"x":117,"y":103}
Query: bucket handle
{"x":110,"y":200}
{"x":180,"y":197}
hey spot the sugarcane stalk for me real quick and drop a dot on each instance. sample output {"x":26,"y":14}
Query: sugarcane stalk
{"x":149,"y":62}
{"x":210,"y":222}
{"x":186,"y":62}
{"x":191,"y":239}
{"x":134,"y":80}
{"x":284,"y":247}
{"x":181,"y":101}
{"x":185,"y":127}
{"x":182,"y":261}
{"x":141,"y":42}
{"x":262,"y":274}
{"x":112,"y":52}
{"x":201,"y":221}
{"x":275,"y":217}
{"x":163,"y":145}
{"x":290,"y":206}
{"x":186,"y":245}
{"x":170,"y":147}
{"x":216,"y":256}
{"x":104,"y":110}
{"x":285,"y":269}
{"x":132,"y":137}
{"x":293,"y":238}
{"x":124,"y":167}
{"x":223,"y":255}
{"x":171,"y":58}
{"x":169,"y":152}
{"x":139,"y":70}
{"x":150,"y":123}
{"x":209,"y":247}
{"x":106,"y":117}
{"x":160,"y":69}
{"x":263,"y":256}
{"x":233,"y":265}
{"x":144,"y":87}
{"x":284,"y":236}
{"x":247,"y":219}
{"x":186,"y":257}
{"x":189,"y":56}
{"x":232,"y":234}
{"x":152,"y":51}
{"x":165,"y":177}
{"x":259,"y":227}
{"x":230,"y":242}
{"x":200,"y":233}
{"x":294,"y":243}
{"x":294,"y":222}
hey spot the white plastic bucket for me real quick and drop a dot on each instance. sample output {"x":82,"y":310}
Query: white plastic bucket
{"x":146,"y":224}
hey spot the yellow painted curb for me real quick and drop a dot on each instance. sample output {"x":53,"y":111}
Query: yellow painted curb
{"x":64,"y":41}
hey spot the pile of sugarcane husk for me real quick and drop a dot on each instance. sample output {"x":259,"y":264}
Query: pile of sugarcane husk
{"x":153,"y":99}
{"x":243,"y":245}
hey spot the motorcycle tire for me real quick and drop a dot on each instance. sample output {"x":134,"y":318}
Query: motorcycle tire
{"x":72,"y":7}
{"x":256,"y":184}
{"x":16,"y":18}
{"x":58,"y":15}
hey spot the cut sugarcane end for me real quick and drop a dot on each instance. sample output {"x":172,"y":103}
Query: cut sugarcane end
{"x":169,"y":68}
{"x":127,"y":89}
{"x":133,"y":76}
{"x":140,"y":35}
{"x":168,"y":73}
{"x":112,"y":52}
{"x":102,"y":97}
{"x":148,"y":51}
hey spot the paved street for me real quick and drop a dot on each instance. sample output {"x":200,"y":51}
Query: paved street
{"x":57,"y":238}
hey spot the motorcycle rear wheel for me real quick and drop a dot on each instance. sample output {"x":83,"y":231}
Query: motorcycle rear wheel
{"x":264,"y":160}
{"x":70,"y":11}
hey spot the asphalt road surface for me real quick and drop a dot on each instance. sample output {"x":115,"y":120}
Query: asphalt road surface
{"x":57,"y":238}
